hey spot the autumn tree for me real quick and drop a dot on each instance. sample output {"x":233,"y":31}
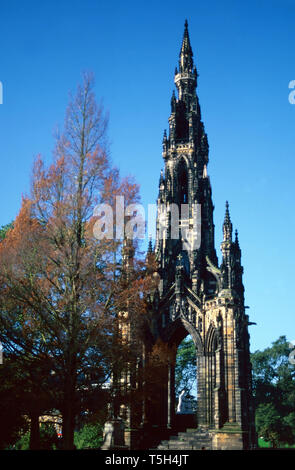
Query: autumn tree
{"x":59,"y":284}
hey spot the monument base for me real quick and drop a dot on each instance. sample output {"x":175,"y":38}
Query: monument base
{"x":229,"y":437}
{"x":113,"y":435}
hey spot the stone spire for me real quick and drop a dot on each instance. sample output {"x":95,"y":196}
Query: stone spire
{"x":231,"y":268}
{"x":185,"y":182}
{"x":227,"y":225}
{"x":190,"y":293}
{"x":186,"y":52}
{"x":150,"y":246}
{"x":186,"y":77}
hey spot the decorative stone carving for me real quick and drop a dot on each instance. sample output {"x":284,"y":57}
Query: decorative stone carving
{"x":193,"y":284}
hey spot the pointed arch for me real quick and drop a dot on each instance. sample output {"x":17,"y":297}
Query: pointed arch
{"x":211,"y":340}
{"x":179,"y":329}
{"x":182,"y":181}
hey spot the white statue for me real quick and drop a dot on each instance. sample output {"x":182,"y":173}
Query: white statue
{"x":184,"y":404}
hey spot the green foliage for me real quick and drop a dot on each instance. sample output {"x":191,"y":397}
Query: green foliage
{"x":185,"y":367}
{"x":274,"y":393}
{"x":23,"y":443}
{"x":89,"y":436}
{"x":262,"y":443}
{"x":4,"y":229}
{"x":48,"y":438}
{"x":271,"y":426}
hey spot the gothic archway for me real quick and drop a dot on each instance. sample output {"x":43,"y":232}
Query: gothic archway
{"x":186,"y":384}
{"x":173,"y":336}
{"x":210,"y":352}
{"x":182,"y":182}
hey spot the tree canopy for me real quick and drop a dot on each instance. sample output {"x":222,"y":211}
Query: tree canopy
{"x":60,"y":286}
{"x":274,"y":393}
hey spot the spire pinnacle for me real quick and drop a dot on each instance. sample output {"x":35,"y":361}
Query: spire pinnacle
{"x":186,"y":76}
{"x":186,"y":52}
{"x":227,"y":210}
{"x":150,"y":245}
{"x":173,"y":101}
{"x":227,"y":225}
{"x":186,"y":45}
{"x":164,"y":141}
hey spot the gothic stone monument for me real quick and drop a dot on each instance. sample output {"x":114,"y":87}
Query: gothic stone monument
{"x":196,"y":295}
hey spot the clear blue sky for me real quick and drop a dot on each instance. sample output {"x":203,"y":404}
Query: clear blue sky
{"x":244,"y":53}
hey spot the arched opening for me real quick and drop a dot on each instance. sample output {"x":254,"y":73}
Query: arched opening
{"x":162,"y":397}
{"x":183,"y":383}
{"x":183,"y":183}
{"x":182,"y":125}
{"x":186,"y":377}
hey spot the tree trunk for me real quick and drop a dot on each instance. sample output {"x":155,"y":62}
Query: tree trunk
{"x":68,"y":427}
{"x":68,"y":422}
{"x":34,"y":431}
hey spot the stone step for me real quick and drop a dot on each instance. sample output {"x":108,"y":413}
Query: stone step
{"x":192,"y":436}
{"x":192,"y":439}
{"x":185,"y":447}
{"x":189,"y":438}
{"x":188,"y":442}
{"x":195,"y":431}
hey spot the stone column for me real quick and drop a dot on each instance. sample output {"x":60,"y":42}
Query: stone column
{"x":217,"y":389}
{"x":231,"y":366}
{"x":201,"y":393}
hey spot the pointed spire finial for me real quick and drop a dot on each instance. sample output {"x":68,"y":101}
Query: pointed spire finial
{"x":227,"y":225}
{"x":227,"y":216}
{"x":173,"y":101}
{"x":186,"y":52}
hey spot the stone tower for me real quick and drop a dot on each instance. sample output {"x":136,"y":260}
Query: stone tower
{"x":196,"y":295}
